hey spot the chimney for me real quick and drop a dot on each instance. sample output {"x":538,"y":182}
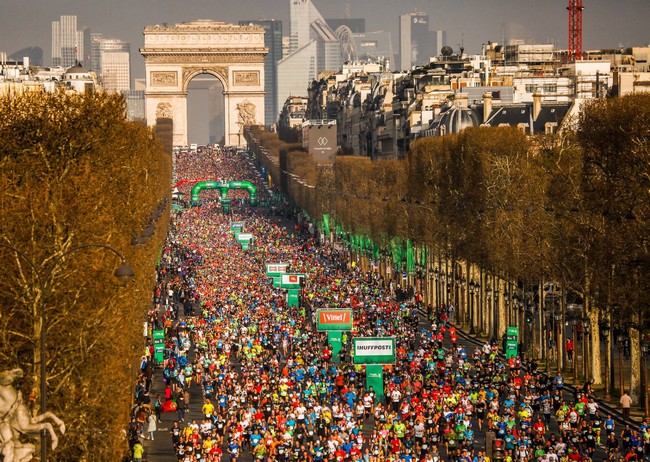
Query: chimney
{"x":537,"y":104}
{"x":487,"y":106}
{"x":461,"y":100}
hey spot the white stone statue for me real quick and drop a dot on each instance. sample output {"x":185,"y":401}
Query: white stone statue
{"x":246,"y":114}
{"x":15,"y":420}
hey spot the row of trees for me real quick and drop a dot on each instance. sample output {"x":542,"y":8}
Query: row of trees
{"x":571,"y":208}
{"x":74,"y":171}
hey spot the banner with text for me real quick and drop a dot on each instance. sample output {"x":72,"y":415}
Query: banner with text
{"x":292,"y":281}
{"x":373,"y":350}
{"x":276,"y":269}
{"x":334,"y":319}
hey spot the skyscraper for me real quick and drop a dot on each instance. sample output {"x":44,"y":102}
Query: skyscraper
{"x":67,"y":42}
{"x":116,"y":71}
{"x":313,"y":48}
{"x":272,"y":41}
{"x":100,"y":45}
{"x":416,"y":40}
{"x":110,"y":59}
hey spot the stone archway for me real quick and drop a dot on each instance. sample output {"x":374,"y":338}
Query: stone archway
{"x":174,"y":55}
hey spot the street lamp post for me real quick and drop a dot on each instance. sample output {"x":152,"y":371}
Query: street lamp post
{"x":436,"y":276}
{"x":556,"y":334}
{"x":472,"y":287}
{"x":605,"y":331}
{"x":497,"y":326}
{"x":620,"y":338}
{"x":645,"y":349}
{"x":124,"y":273}
{"x":586,"y":337}
{"x":490,"y":309}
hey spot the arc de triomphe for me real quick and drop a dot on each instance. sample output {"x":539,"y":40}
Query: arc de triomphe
{"x":174,"y":55}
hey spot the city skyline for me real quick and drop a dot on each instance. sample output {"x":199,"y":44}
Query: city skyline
{"x":606,"y":24}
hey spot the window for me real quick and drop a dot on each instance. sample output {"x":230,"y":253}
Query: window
{"x":530,"y":88}
{"x":550,"y":88}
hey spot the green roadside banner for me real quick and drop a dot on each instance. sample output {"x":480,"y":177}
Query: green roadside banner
{"x":512,"y":341}
{"x":375,"y":379}
{"x":334,"y":319}
{"x":245,"y":237}
{"x":159,"y":346}
{"x":236,"y":224}
{"x":293,"y":297}
{"x":225,"y":204}
{"x":335,"y":341}
{"x":373,"y":350}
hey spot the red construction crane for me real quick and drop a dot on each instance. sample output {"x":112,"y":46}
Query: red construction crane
{"x":575,"y":29}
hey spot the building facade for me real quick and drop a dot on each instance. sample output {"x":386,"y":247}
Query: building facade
{"x":116,"y":71}
{"x":272,"y":41}
{"x":417,"y":42}
{"x":313,"y":48}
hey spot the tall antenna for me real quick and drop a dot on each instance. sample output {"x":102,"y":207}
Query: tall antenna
{"x":347,"y":10}
{"x":575,"y":29}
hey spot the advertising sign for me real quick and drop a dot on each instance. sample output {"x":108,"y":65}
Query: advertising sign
{"x":512,"y":341}
{"x":292,"y":281}
{"x":236,"y":224}
{"x":373,"y":350}
{"x":375,"y":379}
{"x":320,"y":141}
{"x":334,"y":319}
{"x":245,"y":237}
{"x":335,"y":341}
{"x":293,"y":297}
{"x":159,"y":346}
{"x":276,"y":269}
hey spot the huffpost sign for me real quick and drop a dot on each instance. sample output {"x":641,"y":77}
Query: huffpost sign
{"x":373,"y":350}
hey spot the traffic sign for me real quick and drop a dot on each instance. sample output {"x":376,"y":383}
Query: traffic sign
{"x":334,"y":319}
{"x":373,"y":350}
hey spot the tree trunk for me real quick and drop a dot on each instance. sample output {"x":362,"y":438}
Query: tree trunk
{"x":594,"y":348}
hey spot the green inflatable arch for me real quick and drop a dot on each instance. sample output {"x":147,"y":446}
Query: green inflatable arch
{"x":224,"y":188}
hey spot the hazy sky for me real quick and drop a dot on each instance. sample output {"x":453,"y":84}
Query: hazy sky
{"x":607,"y":23}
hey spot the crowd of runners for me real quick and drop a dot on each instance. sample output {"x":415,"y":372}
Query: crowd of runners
{"x":272,"y":390}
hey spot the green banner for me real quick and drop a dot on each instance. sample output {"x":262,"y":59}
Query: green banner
{"x":293,"y":297}
{"x":375,"y":379}
{"x":159,"y":346}
{"x":512,"y":341}
{"x":335,"y":341}
{"x":326,"y":224}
